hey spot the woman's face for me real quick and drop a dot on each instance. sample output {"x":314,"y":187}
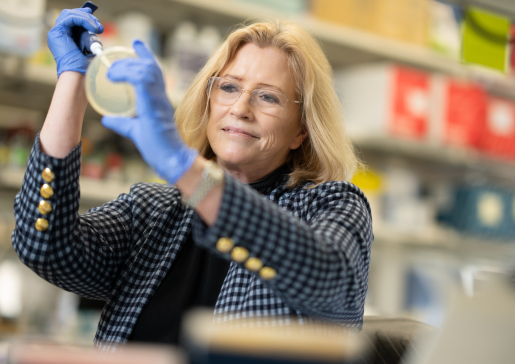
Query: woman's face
{"x":245,"y":138}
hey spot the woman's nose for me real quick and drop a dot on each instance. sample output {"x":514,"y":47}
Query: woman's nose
{"x":242,"y":108}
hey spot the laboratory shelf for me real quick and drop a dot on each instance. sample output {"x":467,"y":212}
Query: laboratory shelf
{"x":443,"y":238}
{"x":343,"y":45}
{"x":347,"y":46}
{"x":435,"y":237}
{"x":454,"y":157}
{"x":97,"y":190}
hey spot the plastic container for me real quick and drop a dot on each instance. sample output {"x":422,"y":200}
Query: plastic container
{"x":105,"y":96}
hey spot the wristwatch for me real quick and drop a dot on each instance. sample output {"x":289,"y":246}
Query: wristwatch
{"x":212,"y":175}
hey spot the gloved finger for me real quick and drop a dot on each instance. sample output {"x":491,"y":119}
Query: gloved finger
{"x":89,"y":22}
{"x":142,"y":50}
{"x":86,"y":10}
{"x":133,"y":70}
{"x":121,"y":125}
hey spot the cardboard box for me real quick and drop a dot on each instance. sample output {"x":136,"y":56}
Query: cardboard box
{"x":405,"y":20}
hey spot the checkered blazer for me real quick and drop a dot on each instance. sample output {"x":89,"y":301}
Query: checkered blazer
{"x":318,"y":240}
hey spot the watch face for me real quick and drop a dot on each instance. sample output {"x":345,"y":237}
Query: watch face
{"x":217,"y":173}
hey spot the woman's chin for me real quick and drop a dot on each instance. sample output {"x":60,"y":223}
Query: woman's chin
{"x":235,"y":158}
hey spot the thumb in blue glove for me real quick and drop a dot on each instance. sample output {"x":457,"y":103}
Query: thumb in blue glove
{"x":153,"y":130}
{"x":66,"y":53}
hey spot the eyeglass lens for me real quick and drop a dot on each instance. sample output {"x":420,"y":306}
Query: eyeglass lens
{"x":226,"y":92}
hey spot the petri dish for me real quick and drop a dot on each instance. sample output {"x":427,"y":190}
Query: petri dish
{"x":107,"y":97}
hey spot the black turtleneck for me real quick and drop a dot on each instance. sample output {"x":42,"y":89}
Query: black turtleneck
{"x":195,"y":279}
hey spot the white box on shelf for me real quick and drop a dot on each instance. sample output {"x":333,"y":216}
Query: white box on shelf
{"x":21,"y":25}
{"x":384,"y":100}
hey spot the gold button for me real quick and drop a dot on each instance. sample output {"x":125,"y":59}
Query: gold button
{"x":48,"y":175}
{"x":224,"y":245}
{"x":46,"y":191}
{"x":253,"y":264}
{"x":41,"y":224}
{"x":267,"y":273}
{"x":44,"y":207}
{"x":239,"y":254}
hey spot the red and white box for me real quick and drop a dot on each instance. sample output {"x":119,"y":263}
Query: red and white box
{"x":458,"y":112}
{"x":498,"y":132}
{"x":385,"y":100}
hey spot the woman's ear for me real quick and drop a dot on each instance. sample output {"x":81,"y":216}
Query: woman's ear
{"x":299,"y":138}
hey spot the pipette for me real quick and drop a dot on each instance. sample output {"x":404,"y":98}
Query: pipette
{"x":88,"y":42}
{"x":106,"y":97}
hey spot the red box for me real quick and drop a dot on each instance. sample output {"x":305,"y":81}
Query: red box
{"x":458,"y":112}
{"x":410,"y":99}
{"x":464,"y":113}
{"x":498,"y":131}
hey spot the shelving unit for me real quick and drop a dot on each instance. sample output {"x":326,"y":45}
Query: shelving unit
{"x":33,"y":86}
{"x":502,"y":170}
{"x":95,"y":190}
{"x":437,"y":238}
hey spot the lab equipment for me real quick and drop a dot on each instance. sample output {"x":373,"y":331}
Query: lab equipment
{"x":105,"y":96}
{"x":64,"y":49}
{"x":153,"y":130}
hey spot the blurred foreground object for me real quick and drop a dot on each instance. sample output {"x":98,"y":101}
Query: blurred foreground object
{"x":485,"y":39}
{"x":47,"y":353}
{"x":479,"y":329}
{"x":392,"y":337}
{"x":263,"y":340}
{"x":21,"y":26}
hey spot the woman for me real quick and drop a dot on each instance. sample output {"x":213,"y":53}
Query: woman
{"x":259,"y":220}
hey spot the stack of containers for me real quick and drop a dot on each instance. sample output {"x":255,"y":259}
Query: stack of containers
{"x":389,"y":100}
{"x":385,"y":99}
{"x":382,"y":101}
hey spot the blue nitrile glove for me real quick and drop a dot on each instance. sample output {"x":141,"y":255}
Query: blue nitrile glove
{"x":66,"y":53}
{"x":153,"y":130}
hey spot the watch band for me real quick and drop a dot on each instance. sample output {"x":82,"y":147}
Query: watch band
{"x":212,"y":175}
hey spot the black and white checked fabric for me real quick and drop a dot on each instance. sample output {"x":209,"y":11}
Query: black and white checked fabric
{"x":318,"y":240}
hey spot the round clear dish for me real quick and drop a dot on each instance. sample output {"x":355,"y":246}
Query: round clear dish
{"x":105,"y":96}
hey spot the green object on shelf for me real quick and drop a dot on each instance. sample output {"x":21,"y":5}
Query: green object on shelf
{"x":485,"y":39}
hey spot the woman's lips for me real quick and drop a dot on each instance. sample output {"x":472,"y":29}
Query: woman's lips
{"x":236,"y":131}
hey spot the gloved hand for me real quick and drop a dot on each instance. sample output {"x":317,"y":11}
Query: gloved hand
{"x":153,"y":130}
{"x":66,"y":53}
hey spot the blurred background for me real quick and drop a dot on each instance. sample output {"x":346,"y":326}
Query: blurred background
{"x":428,"y":93}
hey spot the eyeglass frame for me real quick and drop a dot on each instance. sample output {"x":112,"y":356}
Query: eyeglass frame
{"x":210,"y":82}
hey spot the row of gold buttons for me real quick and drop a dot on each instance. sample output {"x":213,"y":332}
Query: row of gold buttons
{"x":241,"y":255}
{"x":44,"y":206}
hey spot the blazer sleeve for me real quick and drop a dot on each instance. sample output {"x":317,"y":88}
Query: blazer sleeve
{"x":320,"y":252}
{"x":82,"y":254}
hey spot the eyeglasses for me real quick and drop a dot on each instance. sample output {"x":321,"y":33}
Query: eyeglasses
{"x":227,"y":92}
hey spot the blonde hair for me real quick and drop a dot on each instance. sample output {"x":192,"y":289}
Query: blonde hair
{"x":327,"y":153}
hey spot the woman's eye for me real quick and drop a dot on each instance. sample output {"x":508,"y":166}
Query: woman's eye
{"x":229,"y":88}
{"x":269,"y":97}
